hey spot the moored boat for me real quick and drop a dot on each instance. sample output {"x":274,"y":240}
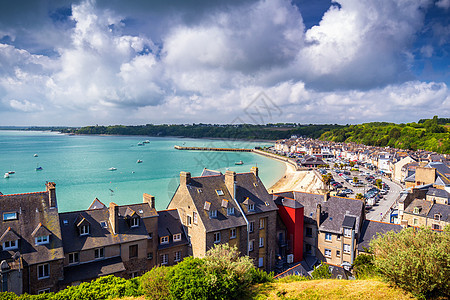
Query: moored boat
{"x":139,"y":161}
{"x":35,"y":155}
{"x":112,"y":169}
{"x":6,"y":175}
{"x":239,"y":162}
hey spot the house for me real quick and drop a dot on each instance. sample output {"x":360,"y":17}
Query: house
{"x":230,"y":208}
{"x":369,"y":231}
{"x":32,"y":255}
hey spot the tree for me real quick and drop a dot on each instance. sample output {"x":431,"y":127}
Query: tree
{"x":355,"y":179}
{"x":416,"y":260}
{"x":321,"y":272}
{"x":326,"y":179}
{"x":379,"y":183}
{"x":359,"y":196}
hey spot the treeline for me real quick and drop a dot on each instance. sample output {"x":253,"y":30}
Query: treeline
{"x":241,"y":131}
{"x":430,"y":135}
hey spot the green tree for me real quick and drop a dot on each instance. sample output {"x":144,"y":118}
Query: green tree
{"x":326,"y":179}
{"x":379,"y":183}
{"x":416,"y":260}
{"x":355,"y":179}
{"x":321,"y":272}
{"x":155,"y":283}
{"x":359,"y":196}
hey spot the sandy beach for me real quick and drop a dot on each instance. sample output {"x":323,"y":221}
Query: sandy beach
{"x":301,"y":181}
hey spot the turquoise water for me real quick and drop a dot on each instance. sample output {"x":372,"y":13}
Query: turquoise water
{"x":79,"y":165}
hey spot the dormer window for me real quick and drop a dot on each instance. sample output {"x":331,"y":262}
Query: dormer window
{"x":251,"y":207}
{"x":437,"y":217}
{"x":230,"y":211}
{"x":134,"y":222}
{"x":177,"y":237}
{"x":10,"y":245}
{"x":84,"y":230}
{"x":164,"y":240}
{"x":41,"y":240}
{"x":219,"y":192}
{"x":9,"y":216}
{"x":416,"y":210}
{"x":213,"y":213}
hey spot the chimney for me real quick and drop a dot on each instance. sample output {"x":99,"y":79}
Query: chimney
{"x":326,"y":196}
{"x":230,"y":182}
{"x":185,"y":178}
{"x":114,"y":217}
{"x":254,"y":171}
{"x":149,"y":199}
{"x":51,"y":193}
{"x":318,"y":214}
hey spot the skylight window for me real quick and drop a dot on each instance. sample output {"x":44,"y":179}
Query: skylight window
{"x":9,"y":216}
{"x":219,"y":192}
{"x":104,"y":224}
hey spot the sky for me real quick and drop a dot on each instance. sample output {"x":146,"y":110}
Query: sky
{"x":106,"y":62}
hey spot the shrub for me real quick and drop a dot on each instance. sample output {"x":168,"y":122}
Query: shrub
{"x":321,"y":272}
{"x":363,"y":267}
{"x":155,"y":283}
{"x":415,"y":260}
{"x":260,"y":276}
{"x":188,"y":280}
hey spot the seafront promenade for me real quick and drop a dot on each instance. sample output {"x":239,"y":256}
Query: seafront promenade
{"x":213,"y":149}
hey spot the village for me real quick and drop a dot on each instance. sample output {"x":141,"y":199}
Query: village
{"x":302,"y":221}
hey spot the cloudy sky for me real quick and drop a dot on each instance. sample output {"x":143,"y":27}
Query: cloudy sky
{"x":89,"y":62}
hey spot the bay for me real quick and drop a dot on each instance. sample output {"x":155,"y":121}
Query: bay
{"x":79,"y":165}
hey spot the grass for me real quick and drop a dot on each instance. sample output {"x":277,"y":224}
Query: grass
{"x":330,"y":289}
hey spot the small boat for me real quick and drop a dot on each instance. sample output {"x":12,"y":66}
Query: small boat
{"x":146,"y":141}
{"x":140,"y":144}
{"x":6,"y":175}
{"x":11,"y":172}
{"x":39,"y":169}
{"x":112,"y":169}
{"x":35,"y":155}
{"x":239,"y":162}
{"x":139,"y":161}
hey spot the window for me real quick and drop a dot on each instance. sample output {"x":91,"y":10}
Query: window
{"x":10,"y":245}
{"x":9,"y":216}
{"x":164,"y":239}
{"x":150,"y":235}
{"x":328,"y":237}
{"x":104,"y":224}
{"x":213,"y":214}
{"x":41,"y":240}
{"x":99,"y":253}
{"x":133,"y":251}
{"x":230,"y":211}
{"x":261,"y":242}
{"x":219,"y":192}
{"x":308,"y":231}
{"x":164,"y":259}
{"x":134,"y":274}
{"x":178,"y":256}
{"x":84,"y":230}
{"x":327,"y":252}
{"x":251,"y":207}
{"x":347,"y":232}
{"x":415,"y":221}
{"x":338,"y":237}
{"x":177,"y":237}
{"x":347,"y":248}
{"x":436,"y":226}
{"x":195,"y":217}
{"x":188,"y":220}
{"x":437,"y":217}
{"x":261,"y":223}
{"x":252,"y":226}
{"x":43,"y":271}
{"x":233,"y":233}
{"x":338,"y":253}
{"x":250,"y":245}
{"x":134,"y":222}
{"x":74,"y":258}
{"x":47,"y":290}
{"x":216,"y":237}
{"x":308,"y":248}
{"x":416,"y":210}
{"x":261,"y":262}
{"x":150,"y":255}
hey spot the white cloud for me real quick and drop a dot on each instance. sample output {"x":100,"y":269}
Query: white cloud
{"x":445,"y":4}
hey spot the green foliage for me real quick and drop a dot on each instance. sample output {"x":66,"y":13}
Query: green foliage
{"x":260,"y":276}
{"x":327,"y":178}
{"x":293,"y":278}
{"x":363,"y":267}
{"x":415,"y":260}
{"x":321,"y":272}
{"x":188,"y":280}
{"x":155,"y":283}
{"x":359,"y":196}
{"x":379,"y":183}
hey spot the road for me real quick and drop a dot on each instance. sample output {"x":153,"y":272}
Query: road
{"x":380,"y":211}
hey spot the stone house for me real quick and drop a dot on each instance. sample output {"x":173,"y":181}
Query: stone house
{"x":32,"y":254}
{"x":231,"y":208}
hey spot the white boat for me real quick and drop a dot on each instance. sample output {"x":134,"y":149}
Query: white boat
{"x":6,"y":175}
{"x":140,"y":144}
{"x":239,"y":162}
{"x":11,"y":172}
{"x":146,"y":141}
{"x":112,"y":169}
{"x":35,"y":155}
{"x":139,"y":161}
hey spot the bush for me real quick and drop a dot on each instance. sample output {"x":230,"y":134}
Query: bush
{"x":260,"y":276}
{"x":155,"y":283}
{"x":188,"y":280}
{"x":321,"y":272}
{"x":363,"y":267}
{"x":415,"y":260}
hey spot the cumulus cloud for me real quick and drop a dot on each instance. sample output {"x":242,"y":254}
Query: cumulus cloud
{"x":445,"y":4}
{"x":209,"y":66}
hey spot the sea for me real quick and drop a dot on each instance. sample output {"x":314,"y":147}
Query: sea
{"x":80,"y":165}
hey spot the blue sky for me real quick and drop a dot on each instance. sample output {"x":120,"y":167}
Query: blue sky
{"x":87,"y":62}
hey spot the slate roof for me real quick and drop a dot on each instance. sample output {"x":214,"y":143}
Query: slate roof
{"x":86,"y":271}
{"x":207,"y":172}
{"x":169,"y":223}
{"x":370,"y":229}
{"x":424,"y":207}
{"x":288,"y":202}
{"x":309,"y":202}
{"x":32,"y":209}
{"x":99,"y":236}
{"x":442,"y":209}
{"x":438,"y":193}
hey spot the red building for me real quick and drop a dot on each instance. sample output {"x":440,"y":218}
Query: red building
{"x":291,"y":212}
